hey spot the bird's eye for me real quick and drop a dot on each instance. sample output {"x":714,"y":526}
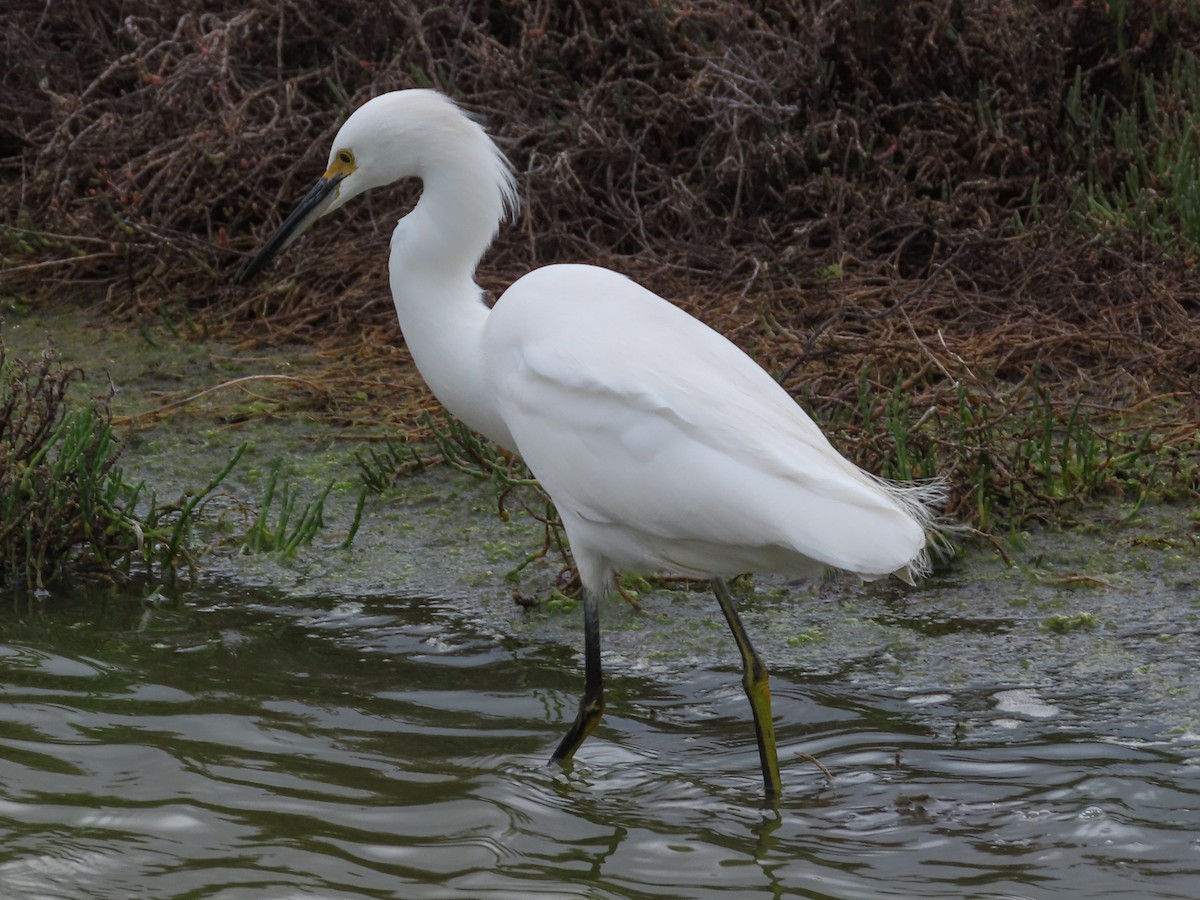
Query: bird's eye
{"x":345,"y":157}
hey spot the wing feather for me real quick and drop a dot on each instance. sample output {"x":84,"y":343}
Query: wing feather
{"x":635,"y":415}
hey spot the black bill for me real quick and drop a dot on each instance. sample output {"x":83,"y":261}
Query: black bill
{"x":315,"y":202}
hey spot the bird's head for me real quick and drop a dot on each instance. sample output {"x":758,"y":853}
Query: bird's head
{"x":389,"y":137}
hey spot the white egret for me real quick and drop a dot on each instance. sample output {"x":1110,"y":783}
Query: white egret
{"x":663,"y":446}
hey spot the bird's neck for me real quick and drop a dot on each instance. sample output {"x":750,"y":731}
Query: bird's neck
{"x":441,"y":310}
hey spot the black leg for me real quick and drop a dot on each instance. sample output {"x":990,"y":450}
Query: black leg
{"x":758,"y":690}
{"x":591,"y":707}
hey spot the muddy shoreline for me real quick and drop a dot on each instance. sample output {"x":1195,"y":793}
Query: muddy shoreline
{"x":1113,"y":595}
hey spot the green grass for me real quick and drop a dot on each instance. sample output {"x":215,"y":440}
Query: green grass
{"x":67,"y":506}
{"x":1011,"y":454}
{"x":1142,"y":162}
{"x":65,"y":503}
{"x":285,"y":529}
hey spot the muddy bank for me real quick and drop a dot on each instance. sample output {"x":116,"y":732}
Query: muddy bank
{"x":1113,"y":597}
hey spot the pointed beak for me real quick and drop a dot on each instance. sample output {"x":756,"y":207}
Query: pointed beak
{"x":311,"y":208}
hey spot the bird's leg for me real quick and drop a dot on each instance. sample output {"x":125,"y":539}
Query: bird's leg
{"x":758,"y":690}
{"x":591,"y":707}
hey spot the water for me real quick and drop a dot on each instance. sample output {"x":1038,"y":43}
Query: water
{"x":245,"y":744}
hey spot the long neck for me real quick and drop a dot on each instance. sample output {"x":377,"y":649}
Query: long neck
{"x":441,"y":310}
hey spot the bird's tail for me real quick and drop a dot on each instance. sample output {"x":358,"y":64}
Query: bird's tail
{"x":923,"y":502}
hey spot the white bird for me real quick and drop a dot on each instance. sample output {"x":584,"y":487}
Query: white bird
{"x":664,"y":448}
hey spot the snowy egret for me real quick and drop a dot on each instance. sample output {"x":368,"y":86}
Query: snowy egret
{"x":663,"y":446}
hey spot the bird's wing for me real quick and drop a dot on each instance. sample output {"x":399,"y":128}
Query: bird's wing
{"x":631,"y":412}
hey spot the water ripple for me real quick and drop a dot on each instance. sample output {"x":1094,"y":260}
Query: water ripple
{"x":348,"y":757}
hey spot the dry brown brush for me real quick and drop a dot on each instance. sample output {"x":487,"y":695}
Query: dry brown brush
{"x":844,"y":187}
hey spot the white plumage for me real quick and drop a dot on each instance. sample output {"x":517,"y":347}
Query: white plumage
{"x":663,"y":446}
{"x":667,"y":449}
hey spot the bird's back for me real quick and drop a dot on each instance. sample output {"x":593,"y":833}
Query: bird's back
{"x":665,"y":448}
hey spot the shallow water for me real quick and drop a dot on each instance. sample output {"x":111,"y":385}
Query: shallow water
{"x":246,"y":744}
{"x":323,"y":728}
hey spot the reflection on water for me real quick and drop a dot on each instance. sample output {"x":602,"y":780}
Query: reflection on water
{"x":245,"y":749}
